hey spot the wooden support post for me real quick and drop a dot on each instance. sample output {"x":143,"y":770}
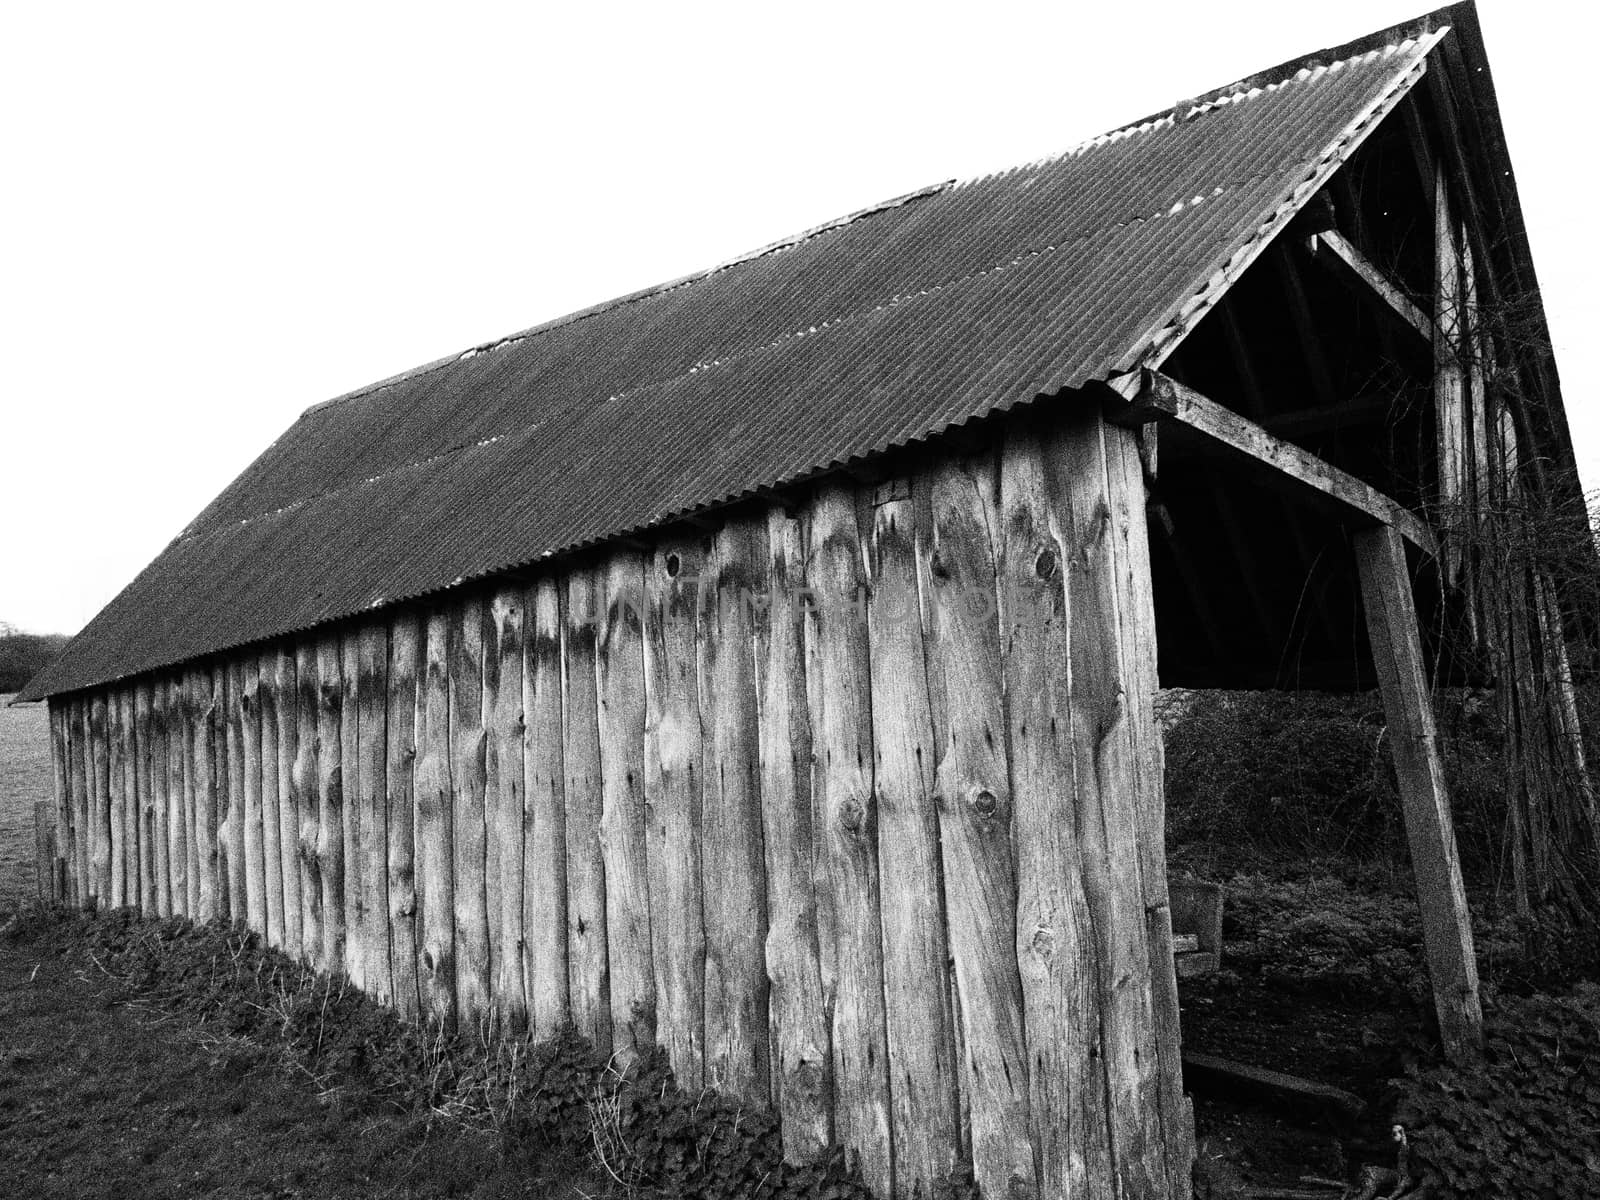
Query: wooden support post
{"x":222,"y":795}
{"x":436,"y":926}
{"x":1397,"y":655}
{"x":178,"y":829}
{"x":1055,"y":947}
{"x":588,"y":965}
{"x":802,"y":1071}
{"x":118,"y":737}
{"x":846,"y":809}
{"x":144,"y":767}
{"x":329,"y":843}
{"x":200,"y":797}
{"x":922,"y":1057}
{"x":250,"y":807}
{"x":81,"y":767}
{"x":241,"y":711}
{"x":544,"y":892}
{"x":733,"y":885}
{"x":371,"y":782}
{"x":966,"y":681}
{"x":267,"y":699}
{"x":307,"y":703}
{"x":352,"y":904}
{"x":399,"y":775}
{"x":469,"y":835}
{"x":286,"y":860}
{"x":504,"y":796}
{"x":619,"y":675}
{"x":60,"y":771}
{"x":161,"y":793}
{"x":1449,"y":397}
{"x":672,"y":746}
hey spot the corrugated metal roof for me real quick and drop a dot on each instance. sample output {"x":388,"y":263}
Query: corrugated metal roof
{"x":864,"y":335}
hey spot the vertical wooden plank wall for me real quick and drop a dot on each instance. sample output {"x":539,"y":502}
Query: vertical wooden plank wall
{"x":853,"y":808}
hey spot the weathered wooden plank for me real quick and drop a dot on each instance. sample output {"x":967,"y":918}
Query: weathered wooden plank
{"x":278,"y":689}
{"x":80,"y":768}
{"x":354,"y":909}
{"x":1056,"y":952}
{"x":200,"y":791}
{"x":161,"y":794}
{"x":329,"y":840}
{"x":587,"y":955}
{"x":399,"y":774}
{"x":59,"y":884}
{"x":371,"y":782}
{"x":544,"y":893}
{"x":1107,"y":773}
{"x":435,"y":863}
{"x":1425,"y":799}
{"x":966,"y":682}
{"x":733,"y":887}
{"x":469,"y":836}
{"x":841,"y":721}
{"x":221,"y":796}
{"x":1132,"y":596}
{"x":144,"y":788}
{"x":1449,"y":383}
{"x":99,"y":758}
{"x":178,"y":828}
{"x":240,"y":712}
{"x":248,"y":805}
{"x":134,"y":799}
{"x":305,"y":806}
{"x":1152,"y":396}
{"x":672,"y":749}
{"x":798,"y":1023}
{"x":504,"y":795}
{"x":922,"y":1075}
{"x":620,"y":695}
{"x":118,"y":735}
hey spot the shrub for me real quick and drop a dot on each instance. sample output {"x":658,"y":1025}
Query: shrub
{"x":1524,"y":1121}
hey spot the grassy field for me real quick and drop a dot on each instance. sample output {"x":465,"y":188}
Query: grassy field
{"x":24,"y":778}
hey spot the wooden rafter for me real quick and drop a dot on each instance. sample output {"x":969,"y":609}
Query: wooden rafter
{"x":1146,"y":396}
{"x":1336,"y":250}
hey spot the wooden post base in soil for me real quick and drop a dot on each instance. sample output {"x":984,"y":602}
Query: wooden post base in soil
{"x":1397,"y":657}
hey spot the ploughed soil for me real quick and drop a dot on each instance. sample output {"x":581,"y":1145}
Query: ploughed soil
{"x":105,"y":1094}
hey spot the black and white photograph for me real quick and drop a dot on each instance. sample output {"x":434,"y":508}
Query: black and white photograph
{"x":865,"y":601}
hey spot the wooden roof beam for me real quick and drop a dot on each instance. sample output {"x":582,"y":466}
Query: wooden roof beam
{"x":1145,"y":396}
{"x":1337,"y":251}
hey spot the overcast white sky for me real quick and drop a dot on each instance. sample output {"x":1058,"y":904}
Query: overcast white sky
{"x":217,"y":215}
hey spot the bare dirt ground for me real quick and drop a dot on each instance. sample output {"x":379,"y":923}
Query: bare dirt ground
{"x":103,"y":1094}
{"x":24,"y":778}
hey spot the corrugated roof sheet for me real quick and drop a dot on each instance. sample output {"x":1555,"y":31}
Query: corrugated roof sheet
{"x":865,"y":335}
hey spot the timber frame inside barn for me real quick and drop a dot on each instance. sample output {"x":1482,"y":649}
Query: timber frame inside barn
{"x":762,"y":665}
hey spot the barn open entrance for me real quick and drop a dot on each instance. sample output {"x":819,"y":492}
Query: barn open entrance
{"x":1290,"y":446}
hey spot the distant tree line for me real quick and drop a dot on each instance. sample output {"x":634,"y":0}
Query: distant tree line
{"x":23,"y":655}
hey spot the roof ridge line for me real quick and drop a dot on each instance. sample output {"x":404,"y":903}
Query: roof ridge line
{"x":1229,"y":93}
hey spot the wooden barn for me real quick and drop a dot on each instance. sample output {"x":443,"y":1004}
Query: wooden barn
{"x":761,"y":666}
